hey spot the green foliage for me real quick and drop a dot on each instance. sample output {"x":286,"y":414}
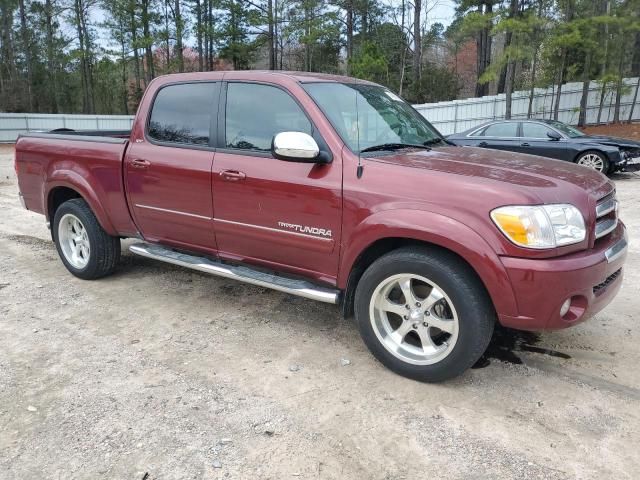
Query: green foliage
{"x":48,"y":69}
{"x":370,"y":63}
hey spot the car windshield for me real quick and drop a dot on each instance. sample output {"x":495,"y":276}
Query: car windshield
{"x":568,"y":130}
{"x":369,"y":116}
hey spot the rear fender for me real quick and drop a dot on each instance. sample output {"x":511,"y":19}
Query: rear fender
{"x":88,"y":189}
{"x":436,"y":229}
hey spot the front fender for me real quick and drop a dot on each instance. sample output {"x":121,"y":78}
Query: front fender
{"x":612,"y":152}
{"x":438,"y":230}
{"x":89,"y":191}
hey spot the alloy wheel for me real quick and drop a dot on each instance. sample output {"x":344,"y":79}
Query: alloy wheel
{"x":74,"y":241}
{"x":414,"y":319}
{"x":592,"y":160}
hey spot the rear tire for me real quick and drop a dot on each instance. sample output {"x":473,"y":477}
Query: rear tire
{"x":424,"y":313}
{"x":84,"y":247}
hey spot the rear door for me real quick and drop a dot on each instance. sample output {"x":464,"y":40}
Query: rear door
{"x":268,"y":211}
{"x":534,"y":140}
{"x":499,"y":136}
{"x":168,"y":172}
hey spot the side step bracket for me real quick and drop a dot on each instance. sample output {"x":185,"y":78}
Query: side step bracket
{"x":301,"y":288}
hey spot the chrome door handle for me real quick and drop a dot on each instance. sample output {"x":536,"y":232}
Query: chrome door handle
{"x":483,"y":144}
{"x":140,"y":163}
{"x":232,"y":175}
{"x":525,"y":144}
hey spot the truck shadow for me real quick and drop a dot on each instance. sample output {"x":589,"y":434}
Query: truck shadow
{"x":506,"y":342}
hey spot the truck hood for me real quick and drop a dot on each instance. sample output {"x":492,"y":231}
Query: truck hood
{"x":515,"y":169}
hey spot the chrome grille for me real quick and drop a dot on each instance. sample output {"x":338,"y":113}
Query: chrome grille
{"x":606,"y":215}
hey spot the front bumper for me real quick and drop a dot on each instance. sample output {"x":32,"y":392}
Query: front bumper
{"x":591,"y":279}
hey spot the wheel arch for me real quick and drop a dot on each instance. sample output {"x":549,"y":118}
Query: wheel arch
{"x":431,"y":231}
{"x":59,"y":191}
{"x":610,"y":154}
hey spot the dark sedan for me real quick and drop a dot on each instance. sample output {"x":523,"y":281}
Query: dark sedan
{"x":550,"y":138}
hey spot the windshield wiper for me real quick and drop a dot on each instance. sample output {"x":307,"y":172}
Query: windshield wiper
{"x":434,"y":140}
{"x":392,"y":147}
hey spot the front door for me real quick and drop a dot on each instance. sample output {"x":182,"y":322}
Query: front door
{"x":168,"y":173}
{"x":535,"y":141}
{"x":269,"y":211}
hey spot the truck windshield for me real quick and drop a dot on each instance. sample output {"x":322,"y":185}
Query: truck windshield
{"x":367,"y":116}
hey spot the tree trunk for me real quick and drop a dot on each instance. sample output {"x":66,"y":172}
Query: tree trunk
{"x":26,"y":45}
{"x":123,"y":61}
{"x":87,"y":106}
{"x":199,"y":35}
{"x":635,"y":99}
{"x":271,"y":39}
{"x":210,"y":32}
{"x":136,"y":58}
{"x":532,"y":92}
{"x":179,"y":29}
{"x":556,"y":107}
{"x":502,"y":81}
{"x":483,"y":44}
{"x":586,"y":81}
{"x":601,"y":105}
{"x":88,"y":55}
{"x":349,"y":8}
{"x":51,"y":67}
{"x":635,"y":61}
{"x":605,"y":56}
{"x":365,"y":20}
{"x":513,"y":12}
{"x":275,"y":33}
{"x":619,"y":85}
{"x":205,"y":32}
{"x":417,"y":42}
{"x":508,"y":87}
{"x":168,"y":35}
{"x":146,"y":31}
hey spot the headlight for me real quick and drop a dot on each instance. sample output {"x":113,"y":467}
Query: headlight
{"x":542,"y":226}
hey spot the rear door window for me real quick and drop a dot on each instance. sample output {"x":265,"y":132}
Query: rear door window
{"x":256,"y":112}
{"x":502,"y":129}
{"x":182,"y":114}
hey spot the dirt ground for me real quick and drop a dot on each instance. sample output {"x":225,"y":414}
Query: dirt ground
{"x":158,"y":372}
{"x":623,"y":130}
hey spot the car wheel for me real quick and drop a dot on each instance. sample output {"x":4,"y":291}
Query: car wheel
{"x":594,"y":160}
{"x":424,"y":313}
{"x":85,"y":248}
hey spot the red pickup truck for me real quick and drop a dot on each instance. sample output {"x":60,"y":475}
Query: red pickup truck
{"x":336,"y":190}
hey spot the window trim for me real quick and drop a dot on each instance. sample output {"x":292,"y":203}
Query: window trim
{"x":222,"y":125}
{"x":211,"y":146}
{"x":485,"y":127}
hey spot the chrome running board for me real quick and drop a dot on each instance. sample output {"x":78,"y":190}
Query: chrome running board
{"x":301,"y":288}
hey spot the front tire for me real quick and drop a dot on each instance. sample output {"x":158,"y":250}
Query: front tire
{"x":84,"y":247}
{"x":424,"y":313}
{"x":595,"y":160}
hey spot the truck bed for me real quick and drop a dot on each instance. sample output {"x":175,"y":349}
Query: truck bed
{"x":50,"y":162}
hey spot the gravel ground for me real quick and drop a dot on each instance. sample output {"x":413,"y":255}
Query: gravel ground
{"x":161,"y":372}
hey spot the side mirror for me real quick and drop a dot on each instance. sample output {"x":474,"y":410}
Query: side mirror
{"x":554,"y":135}
{"x":296,"y":147}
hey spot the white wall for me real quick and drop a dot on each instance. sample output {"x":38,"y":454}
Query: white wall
{"x":13,"y":124}
{"x":459,"y":115}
